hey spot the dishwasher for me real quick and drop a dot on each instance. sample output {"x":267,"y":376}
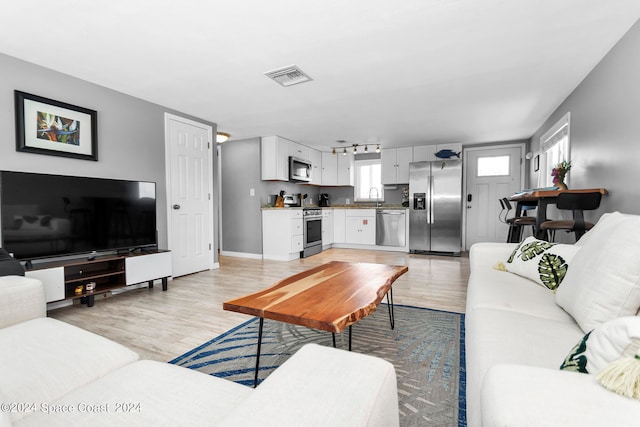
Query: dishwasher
{"x":390,"y":227}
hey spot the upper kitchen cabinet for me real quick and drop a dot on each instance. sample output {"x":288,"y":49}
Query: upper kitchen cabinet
{"x":315,"y":157}
{"x":345,"y":169}
{"x":337,"y":169}
{"x":275,"y":158}
{"x":329,"y":169}
{"x":424,"y":153}
{"x":299,"y":151}
{"x":395,"y":165}
{"x":275,"y":153}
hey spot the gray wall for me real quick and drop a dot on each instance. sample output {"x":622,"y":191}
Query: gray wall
{"x":241,"y":215}
{"x":130,"y":131}
{"x":605,"y":128}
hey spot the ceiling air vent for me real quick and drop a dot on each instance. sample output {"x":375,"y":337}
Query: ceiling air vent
{"x":288,"y":76}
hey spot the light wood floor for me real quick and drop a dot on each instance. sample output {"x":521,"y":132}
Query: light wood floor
{"x":163,"y":325}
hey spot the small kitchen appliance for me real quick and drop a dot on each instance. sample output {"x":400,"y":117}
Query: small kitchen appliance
{"x":323,"y":200}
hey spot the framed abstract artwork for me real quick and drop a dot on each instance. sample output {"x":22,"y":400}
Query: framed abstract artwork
{"x":46,"y":126}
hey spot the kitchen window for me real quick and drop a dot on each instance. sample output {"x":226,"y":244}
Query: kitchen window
{"x":554,"y":146}
{"x":368,"y":181}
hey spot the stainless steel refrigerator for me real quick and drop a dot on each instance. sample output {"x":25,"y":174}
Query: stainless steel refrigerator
{"x":435,"y":206}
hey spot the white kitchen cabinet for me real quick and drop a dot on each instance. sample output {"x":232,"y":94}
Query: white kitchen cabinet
{"x":360,"y":226}
{"x":327,"y":227}
{"x":395,"y":165}
{"x":315,"y":157}
{"x":339,"y":233}
{"x":274,"y":155}
{"x":329,"y":169}
{"x":337,"y":169}
{"x":345,"y":168}
{"x":282,"y":234}
{"x":424,"y":153}
{"x":298,"y":150}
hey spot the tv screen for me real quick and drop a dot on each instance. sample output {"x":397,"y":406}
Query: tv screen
{"x":54,"y":215}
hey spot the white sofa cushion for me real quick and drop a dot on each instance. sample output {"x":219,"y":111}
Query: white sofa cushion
{"x":490,"y":288}
{"x":362,"y":391}
{"x":543,"y":262}
{"x":147,"y":393}
{"x":500,"y":336}
{"x":604,"y":345}
{"x":603,"y":282}
{"x":526,"y":396}
{"x":47,"y":359}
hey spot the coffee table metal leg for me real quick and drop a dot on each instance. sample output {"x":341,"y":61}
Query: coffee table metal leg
{"x":255,"y":378}
{"x":333,"y":335}
{"x":392,"y":318}
{"x":350,"y":327}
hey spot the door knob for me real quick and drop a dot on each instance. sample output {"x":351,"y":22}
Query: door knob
{"x":176,"y":207}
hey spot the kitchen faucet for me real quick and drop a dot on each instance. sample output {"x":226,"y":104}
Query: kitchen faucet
{"x":377,"y":196}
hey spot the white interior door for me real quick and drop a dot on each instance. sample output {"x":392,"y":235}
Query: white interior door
{"x":491,"y":173}
{"x":189,"y":184}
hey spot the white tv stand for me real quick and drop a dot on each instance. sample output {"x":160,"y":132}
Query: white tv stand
{"x":68,"y":279}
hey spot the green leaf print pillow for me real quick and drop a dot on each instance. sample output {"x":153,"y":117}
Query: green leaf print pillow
{"x":543,"y":262}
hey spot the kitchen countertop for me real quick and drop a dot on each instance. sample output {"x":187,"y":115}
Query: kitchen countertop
{"x":351,"y":206}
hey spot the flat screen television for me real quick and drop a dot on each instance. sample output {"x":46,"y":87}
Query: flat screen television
{"x":54,"y":215}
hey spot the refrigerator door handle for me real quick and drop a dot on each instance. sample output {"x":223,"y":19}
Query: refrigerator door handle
{"x":428,"y":201}
{"x":431,"y":201}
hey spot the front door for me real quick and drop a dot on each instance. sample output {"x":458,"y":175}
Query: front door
{"x":492,"y":173}
{"x":189,"y":184}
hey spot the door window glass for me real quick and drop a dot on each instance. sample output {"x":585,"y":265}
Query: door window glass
{"x":493,"y":166}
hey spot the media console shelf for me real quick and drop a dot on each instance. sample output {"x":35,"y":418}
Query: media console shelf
{"x":69,"y":279}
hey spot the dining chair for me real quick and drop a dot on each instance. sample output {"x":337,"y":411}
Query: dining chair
{"x":516,"y":223}
{"x":577,"y":203}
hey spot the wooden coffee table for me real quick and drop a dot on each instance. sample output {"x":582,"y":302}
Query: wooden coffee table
{"x":329,"y":297}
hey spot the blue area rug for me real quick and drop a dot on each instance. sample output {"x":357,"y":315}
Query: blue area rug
{"x":426,"y":347}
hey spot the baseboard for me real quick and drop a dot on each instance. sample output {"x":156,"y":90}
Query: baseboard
{"x":371,"y":247}
{"x":241,"y":254}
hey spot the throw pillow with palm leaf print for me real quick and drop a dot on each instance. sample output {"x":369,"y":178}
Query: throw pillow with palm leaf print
{"x":543,"y":262}
{"x":607,"y":343}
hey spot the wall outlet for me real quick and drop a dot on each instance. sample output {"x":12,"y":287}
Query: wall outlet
{"x":252,"y":192}
{"x":348,"y":201}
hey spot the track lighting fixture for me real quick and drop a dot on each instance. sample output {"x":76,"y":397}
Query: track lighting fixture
{"x":355,"y":147}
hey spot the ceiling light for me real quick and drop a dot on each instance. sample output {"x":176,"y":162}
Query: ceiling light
{"x":344,"y":153}
{"x":355,"y":149}
{"x":222,"y":137}
{"x":333,"y":151}
{"x":378,"y":148}
{"x":366,"y":148}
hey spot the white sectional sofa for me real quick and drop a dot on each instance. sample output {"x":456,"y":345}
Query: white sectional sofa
{"x":55,"y":374}
{"x":518,"y":332}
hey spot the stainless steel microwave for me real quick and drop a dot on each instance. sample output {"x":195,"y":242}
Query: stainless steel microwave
{"x":299,"y":170}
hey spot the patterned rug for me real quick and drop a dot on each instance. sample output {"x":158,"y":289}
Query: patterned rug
{"x":426,"y":347}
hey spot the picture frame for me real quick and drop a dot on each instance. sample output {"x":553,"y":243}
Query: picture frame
{"x":536,"y":163}
{"x":47,"y":126}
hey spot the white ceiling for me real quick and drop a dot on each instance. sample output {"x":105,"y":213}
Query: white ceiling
{"x":403,"y":72}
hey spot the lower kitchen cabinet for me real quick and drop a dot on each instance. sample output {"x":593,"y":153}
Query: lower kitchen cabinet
{"x":360,"y":227}
{"x":339,"y":225}
{"x":327,"y":227}
{"x":282,"y":234}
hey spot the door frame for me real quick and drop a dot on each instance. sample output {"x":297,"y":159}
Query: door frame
{"x":521,"y":145}
{"x":167,"y":157}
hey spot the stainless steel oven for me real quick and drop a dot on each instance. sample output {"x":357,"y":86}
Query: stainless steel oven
{"x":312,"y":227}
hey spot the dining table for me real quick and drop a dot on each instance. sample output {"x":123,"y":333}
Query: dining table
{"x":540,"y":198}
